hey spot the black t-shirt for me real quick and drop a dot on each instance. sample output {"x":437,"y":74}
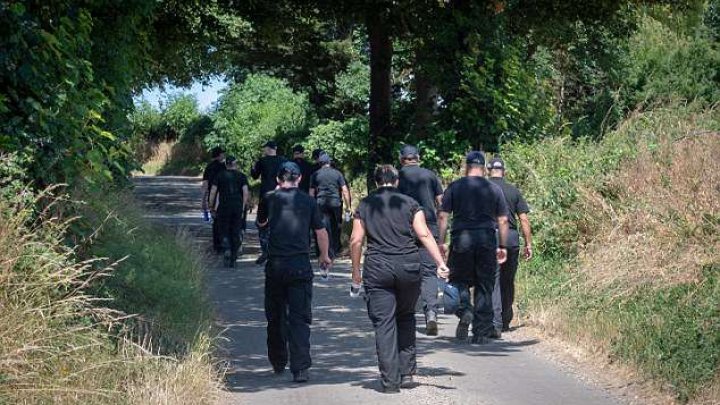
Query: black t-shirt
{"x":229,"y":186}
{"x":211,"y":171}
{"x":267,"y":170}
{"x":424,"y":186}
{"x":475,"y":203}
{"x":328,"y":184}
{"x":388,"y":217}
{"x":516,"y":205}
{"x":307,"y":171}
{"x":291,"y":215}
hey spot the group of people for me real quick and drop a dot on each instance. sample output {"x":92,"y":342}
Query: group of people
{"x":403,"y":225}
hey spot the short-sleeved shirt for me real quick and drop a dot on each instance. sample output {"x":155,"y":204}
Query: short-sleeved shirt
{"x":212,"y":170}
{"x":306,"y":170}
{"x":291,"y":214}
{"x":328,"y":184}
{"x":230,"y":185}
{"x":516,"y":205}
{"x":424,"y":186}
{"x":388,"y":217}
{"x":266,"y":169}
{"x":474,"y":202}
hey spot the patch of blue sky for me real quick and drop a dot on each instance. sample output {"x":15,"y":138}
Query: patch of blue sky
{"x":206,"y":94}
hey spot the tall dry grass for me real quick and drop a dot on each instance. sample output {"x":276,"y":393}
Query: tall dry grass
{"x":60,"y":345}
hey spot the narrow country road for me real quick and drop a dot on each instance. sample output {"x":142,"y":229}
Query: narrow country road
{"x":345,"y":368}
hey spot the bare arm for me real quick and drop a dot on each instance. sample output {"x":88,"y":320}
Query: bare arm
{"x":356,"y":241}
{"x":527,"y":234}
{"x":313,"y":191}
{"x":205,"y":191}
{"x":246,"y":196}
{"x":323,"y":243}
{"x":503,"y":230}
{"x":347,"y":197}
{"x":426,"y":238}
{"x":213,"y":198}
{"x":443,"y":217}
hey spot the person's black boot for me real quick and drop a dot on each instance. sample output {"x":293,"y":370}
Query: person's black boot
{"x":301,"y":376}
{"x":463,"y":327}
{"x":431,"y":325}
{"x":407,"y":381}
{"x":495,"y":334}
{"x":261,"y":260}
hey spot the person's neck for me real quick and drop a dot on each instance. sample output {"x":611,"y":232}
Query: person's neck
{"x":496,"y":176}
{"x":475,"y":173}
{"x":387,"y":186}
{"x":288,"y":186}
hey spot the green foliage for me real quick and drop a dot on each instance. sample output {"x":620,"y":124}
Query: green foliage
{"x":345,"y":141}
{"x":663,"y":65}
{"x":180,"y":113}
{"x":254,"y":111}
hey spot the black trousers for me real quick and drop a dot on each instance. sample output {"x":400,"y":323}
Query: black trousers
{"x":392,"y":287}
{"x":473,"y":263}
{"x":216,"y":235}
{"x":288,"y":310}
{"x":508,"y":270}
{"x":333,"y":221}
{"x":230,"y":226}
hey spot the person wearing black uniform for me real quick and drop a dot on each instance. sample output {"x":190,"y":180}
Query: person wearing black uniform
{"x":424,"y":186}
{"x":290,"y":215}
{"x":478,"y":208}
{"x":266,"y":169}
{"x":329,"y":188}
{"x":229,"y":196}
{"x":305,"y":167}
{"x":393,"y":223}
{"x":517,"y":209}
{"x":216,"y":166}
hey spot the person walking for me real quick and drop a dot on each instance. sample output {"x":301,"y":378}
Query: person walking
{"x":215,"y":166}
{"x":478,"y":208}
{"x":424,"y":186}
{"x":329,"y":188}
{"x":290,"y":214}
{"x":518,"y":209}
{"x":392,"y":221}
{"x":229,"y":196}
{"x":305,"y":167}
{"x":266,"y":169}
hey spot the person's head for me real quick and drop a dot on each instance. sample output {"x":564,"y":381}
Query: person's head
{"x":316,"y":154}
{"x":386,"y":176}
{"x":324,"y":159}
{"x":231,"y":163}
{"x":289,"y":175}
{"x":475,"y":164}
{"x":409,"y":155}
{"x":496,"y":167}
{"x":270,"y":148}
{"x":298,"y":152}
{"x":217,"y":153}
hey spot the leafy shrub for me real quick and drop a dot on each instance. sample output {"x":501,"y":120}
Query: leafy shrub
{"x":345,"y":141}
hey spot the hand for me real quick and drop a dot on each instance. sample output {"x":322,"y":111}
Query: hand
{"x":325,"y":261}
{"x":443,"y":250}
{"x":213,"y":212}
{"x":501,"y":255}
{"x":443,"y":271}
{"x":356,"y":277}
{"x":528,"y":252}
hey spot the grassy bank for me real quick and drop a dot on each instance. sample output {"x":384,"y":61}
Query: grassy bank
{"x":69,"y":336}
{"x":630,"y":238}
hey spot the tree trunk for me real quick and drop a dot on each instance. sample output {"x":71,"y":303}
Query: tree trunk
{"x":381,"y":51}
{"x":425,"y":101}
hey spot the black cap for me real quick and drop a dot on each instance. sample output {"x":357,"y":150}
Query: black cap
{"x":289,"y":168}
{"x":496,"y":163}
{"x":409,"y":151}
{"x":475,"y":158}
{"x":298,"y":149}
{"x":230,"y":160}
{"x":316,"y":153}
{"x":270,"y":144}
{"x":324,"y":158}
{"x":216,"y":152}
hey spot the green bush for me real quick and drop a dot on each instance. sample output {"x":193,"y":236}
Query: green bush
{"x":345,"y":141}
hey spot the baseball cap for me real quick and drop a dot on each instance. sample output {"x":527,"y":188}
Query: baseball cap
{"x":216,"y":151}
{"x":298,"y":149}
{"x":324,"y":158}
{"x":409,"y":151}
{"x":289,"y":168}
{"x":270,"y":144}
{"x":475,"y":157}
{"x":496,"y":163}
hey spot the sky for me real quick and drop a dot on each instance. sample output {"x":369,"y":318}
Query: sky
{"x":206,"y":95}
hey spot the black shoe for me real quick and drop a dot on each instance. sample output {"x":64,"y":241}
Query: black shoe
{"x":505,"y":328}
{"x":407,"y":381}
{"x":464,"y":325}
{"x":390,"y":389}
{"x":279,"y":370}
{"x":261,"y":260}
{"x":227,"y":259}
{"x":301,"y":376}
{"x":480,"y":340}
{"x":431,"y":325}
{"x":495,"y":334}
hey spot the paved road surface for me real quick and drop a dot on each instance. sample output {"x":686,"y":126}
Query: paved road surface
{"x":345,"y":368}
